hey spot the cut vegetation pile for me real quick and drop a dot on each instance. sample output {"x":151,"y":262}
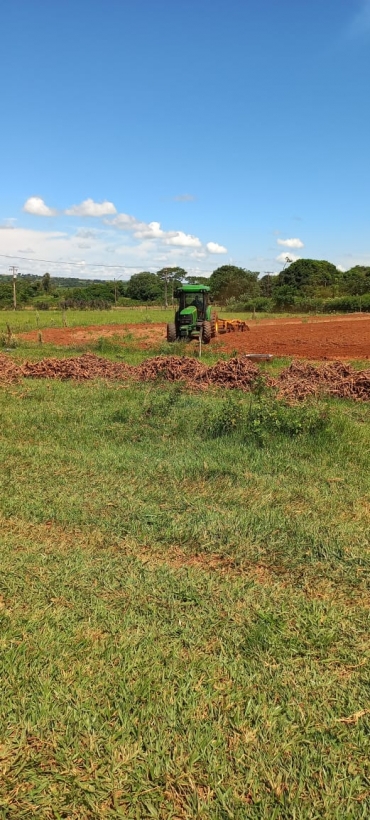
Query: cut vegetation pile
{"x":79,"y":368}
{"x":296,"y":382}
{"x":302,"y":379}
{"x":237,"y":372}
{"x":9,"y":371}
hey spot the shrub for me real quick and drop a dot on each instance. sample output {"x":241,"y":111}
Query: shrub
{"x":260,"y":418}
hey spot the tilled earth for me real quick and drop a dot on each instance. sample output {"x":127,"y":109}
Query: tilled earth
{"x":294,"y":383}
{"x":335,"y":337}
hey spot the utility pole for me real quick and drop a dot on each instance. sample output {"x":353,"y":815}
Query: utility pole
{"x":166,"y":287}
{"x":14,"y":271}
{"x":269,"y":273}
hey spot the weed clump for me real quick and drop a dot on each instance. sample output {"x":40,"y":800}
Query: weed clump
{"x":8,"y":339}
{"x":263,"y":417}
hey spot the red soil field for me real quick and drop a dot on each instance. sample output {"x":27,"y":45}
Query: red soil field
{"x":337,"y":337}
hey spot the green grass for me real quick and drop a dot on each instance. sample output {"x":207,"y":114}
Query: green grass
{"x":30,"y":319}
{"x":25,"y":320}
{"x":184,"y":605}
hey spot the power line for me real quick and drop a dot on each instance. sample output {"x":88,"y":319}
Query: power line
{"x":88,"y":264}
{"x":78,"y":264}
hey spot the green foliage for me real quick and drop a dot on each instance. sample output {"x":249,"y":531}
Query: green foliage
{"x":356,"y":281}
{"x":348,"y":304}
{"x":197,"y":280}
{"x":170,"y":279}
{"x":8,"y":341}
{"x":306,"y":275}
{"x":284,"y":297}
{"x":261,"y":304}
{"x":305,"y":285}
{"x":144,"y":287}
{"x":259,"y":419}
{"x":268,"y":284}
{"x":231,"y":282}
{"x":6,"y":294}
{"x":46,"y":283}
{"x":341,"y":304}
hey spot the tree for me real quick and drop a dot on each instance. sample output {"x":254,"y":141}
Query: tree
{"x":231,"y":282}
{"x":145,"y":287}
{"x":309,"y":275}
{"x":46,"y":283}
{"x":173,"y":276}
{"x":197,"y":280}
{"x":267,"y":284}
{"x":284,"y":297}
{"x":356,"y":281}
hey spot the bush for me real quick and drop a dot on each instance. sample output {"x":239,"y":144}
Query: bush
{"x":261,"y":304}
{"x":339,"y":304}
{"x":8,"y":340}
{"x":260,"y":418}
{"x":348,"y":304}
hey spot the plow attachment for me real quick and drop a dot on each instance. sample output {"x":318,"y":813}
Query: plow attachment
{"x":231,"y":325}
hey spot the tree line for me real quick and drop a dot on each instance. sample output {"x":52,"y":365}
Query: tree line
{"x":304,"y":285}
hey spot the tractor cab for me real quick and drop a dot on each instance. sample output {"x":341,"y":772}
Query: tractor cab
{"x":189,"y":299}
{"x":194,"y":316}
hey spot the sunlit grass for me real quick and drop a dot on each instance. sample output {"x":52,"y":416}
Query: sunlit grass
{"x":26,"y":320}
{"x":30,"y":319}
{"x":184,"y":606}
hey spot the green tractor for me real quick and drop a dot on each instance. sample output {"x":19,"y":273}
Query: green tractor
{"x":194,"y":317}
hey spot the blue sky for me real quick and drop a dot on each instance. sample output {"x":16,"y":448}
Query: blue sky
{"x":141,"y":133}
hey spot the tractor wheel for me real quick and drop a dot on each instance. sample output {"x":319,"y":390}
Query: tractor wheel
{"x":171,"y":332}
{"x":207,"y":332}
{"x":214,"y":328}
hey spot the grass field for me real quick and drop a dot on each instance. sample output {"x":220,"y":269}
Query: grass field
{"x":184,"y":605}
{"x":25,"y":320}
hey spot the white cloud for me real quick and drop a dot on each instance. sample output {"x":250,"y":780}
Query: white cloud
{"x":213,"y":247}
{"x":341,"y":268}
{"x":153,"y":230}
{"x":90,"y":208}
{"x":291,"y":243}
{"x":182,"y":240}
{"x":37,"y":207}
{"x":284,"y":256}
{"x":65,"y":252}
{"x":124,"y":222}
{"x":146,"y":245}
{"x":83,"y":233}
